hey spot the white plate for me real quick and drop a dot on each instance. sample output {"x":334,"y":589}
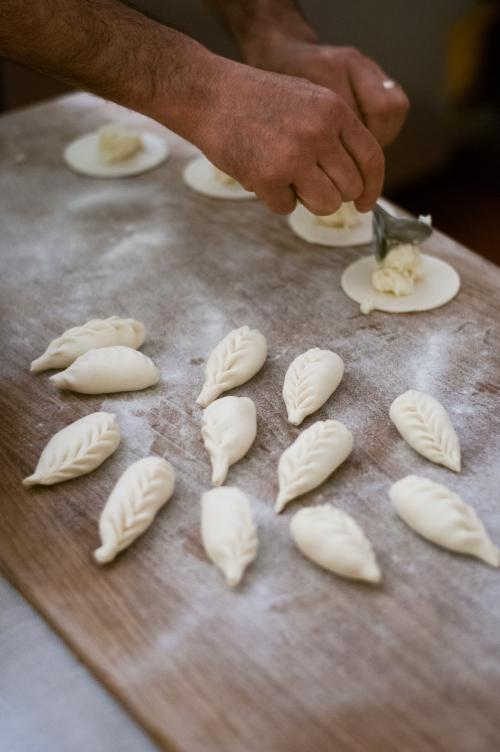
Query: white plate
{"x":199,"y":176}
{"x":83,"y":156}
{"x":439,"y":285}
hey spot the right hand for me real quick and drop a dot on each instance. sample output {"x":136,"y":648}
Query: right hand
{"x":286,"y":138}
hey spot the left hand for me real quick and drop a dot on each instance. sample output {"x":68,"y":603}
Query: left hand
{"x":350,"y":74}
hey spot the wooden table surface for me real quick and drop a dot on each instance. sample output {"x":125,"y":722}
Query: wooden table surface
{"x":296,"y":660}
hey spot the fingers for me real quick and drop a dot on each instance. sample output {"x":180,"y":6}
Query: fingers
{"x":368,"y":157}
{"x":280,"y":197}
{"x":346,"y":164}
{"x":383,"y":109}
{"x":317,"y":192}
{"x":343,"y":172}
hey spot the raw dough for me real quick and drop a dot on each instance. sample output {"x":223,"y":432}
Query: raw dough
{"x":96,"y":333}
{"x":399,"y":271}
{"x":233,"y":361}
{"x":224,"y":178}
{"x":132,"y":505}
{"x":228,"y":428}
{"x":117,"y":143}
{"x":313,"y":456}
{"x":107,"y":370}
{"x":77,"y":449}
{"x":203,"y":177}
{"x":83,"y":155}
{"x":310,"y":380}
{"x":333,"y":540}
{"x":345,"y":218}
{"x":439,"y":285}
{"x":322,"y":230}
{"x":228,"y":531}
{"x":426,"y":219}
{"x":367,"y":306}
{"x":438,"y":514}
{"x":425,"y":425}
{"x":319,"y":231}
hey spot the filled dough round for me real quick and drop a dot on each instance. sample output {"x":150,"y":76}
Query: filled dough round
{"x":83,"y":156}
{"x":439,"y":284}
{"x":201,"y":176}
{"x":306,"y":226}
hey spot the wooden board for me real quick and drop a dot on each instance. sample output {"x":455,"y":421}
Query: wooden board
{"x":296,"y":660}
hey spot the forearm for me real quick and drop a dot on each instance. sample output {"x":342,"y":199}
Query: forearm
{"x":113,"y":51}
{"x":258,"y":26}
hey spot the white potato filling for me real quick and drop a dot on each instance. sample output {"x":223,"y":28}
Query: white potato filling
{"x":399,"y":271}
{"x":117,"y":143}
{"x":344,"y":218}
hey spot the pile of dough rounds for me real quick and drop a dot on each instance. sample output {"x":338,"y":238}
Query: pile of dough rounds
{"x":102,"y":354}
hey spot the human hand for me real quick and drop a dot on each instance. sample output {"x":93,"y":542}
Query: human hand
{"x":357,"y":79}
{"x":286,"y":138}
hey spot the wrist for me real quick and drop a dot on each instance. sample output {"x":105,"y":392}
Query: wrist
{"x":184,"y":88}
{"x":271,"y":50}
{"x":262,"y":27}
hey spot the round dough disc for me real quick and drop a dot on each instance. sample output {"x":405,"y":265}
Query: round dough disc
{"x":439,"y":285}
{"x":199,"y":176}
{"x":304,"y":224}
{"x":82,"y":156}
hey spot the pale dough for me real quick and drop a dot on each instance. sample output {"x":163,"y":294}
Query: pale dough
{"x":83,"y":156}
{"x":77,"y":449}
{"x":203,"y":177}
{"x":234,"y":360}
{"x":309,"y":381}
{"x":345,"y":218}
{"x":333,"y":540}
{"x":228,"y":429}
{"x":132,"y":506}
{"x":107,"y":370}
{"x":439,"y":284}
{"x":311,"y":459}
{"x":425,"y":425}
{"x":441,"y":516}
{"x":321,"y":230}
{"x":399,"y":271}
{"x":228,"y":531}
{"x":117,"y":143}
{"x":63,"y":350}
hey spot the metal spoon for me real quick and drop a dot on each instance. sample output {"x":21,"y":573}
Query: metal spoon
{"x":389,"y":231}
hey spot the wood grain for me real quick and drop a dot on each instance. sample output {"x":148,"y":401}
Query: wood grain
{"x":296,"y":660}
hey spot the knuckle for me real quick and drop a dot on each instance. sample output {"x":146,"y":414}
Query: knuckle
{"x":331,"y":108}
{"x":404,"y":102}
{"x":379,"y":107}
{"x":270,"y":174}
{"x":351,"y":53}
{"x":374,"y":157}
{"x":290,"y":154}
{"x":311,"y":130}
